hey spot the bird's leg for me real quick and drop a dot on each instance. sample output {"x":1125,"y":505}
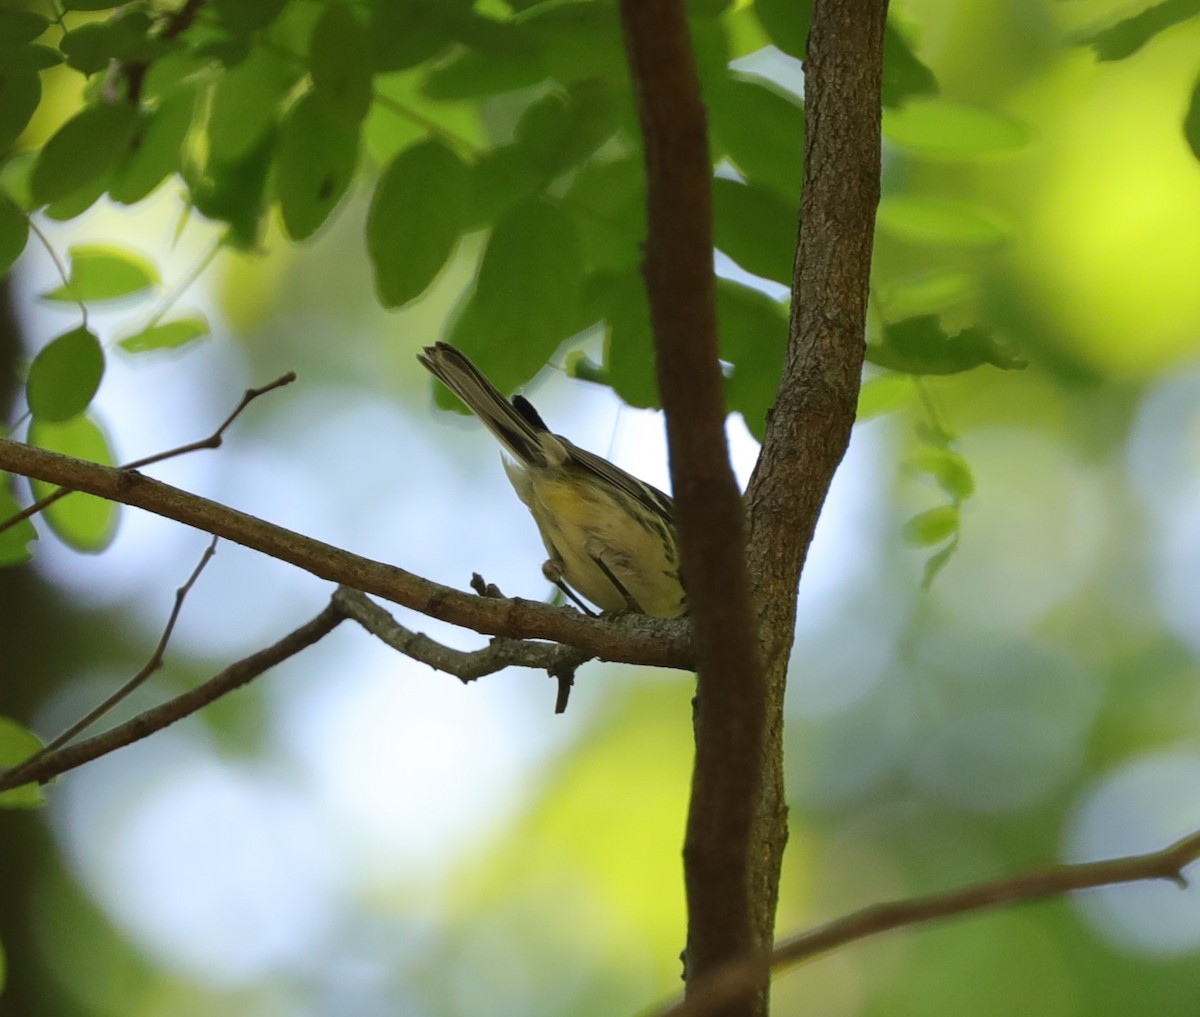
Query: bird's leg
{"x":631,"y":603}
{"x":552,"y":569}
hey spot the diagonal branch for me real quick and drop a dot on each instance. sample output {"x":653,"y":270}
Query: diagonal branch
{"x":1168,"y":863}
{"x":632,"y":639}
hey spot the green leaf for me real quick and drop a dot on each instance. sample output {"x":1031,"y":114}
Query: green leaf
{"x":14,"y":232}
{"x":83,"y":151}
{"x":1126,"y":37}
{"x":941,"y":129}
{"x":81,"y":521}
{"x":611,"y":195}
{"x":931,"y":526}
{"x":64,"y":376}
{"x":169,"y":335}
{"x":415,"y":220}
{"x":340,"y":64}
{"x":528,"y":292}
{"x":884,"y":394}
{"x":620,"y":299}
{"x":20,"y":93}
{"x":756,"y":228}
{"x":926,"y":293}
{"x":126,"y":37}
{"x":21,"y":26}
{"x":405,"y":33}
{"x":499,"y":179}
{"x":786,"y":23}
{"x":947,"y":467}
{"x":753,"y":336}
{"x":474,"y":75}
{"x":16,"y":745}
{"x":903,"y":73}
{"x":578,"y":41}
{"x":925,"y":219}
{"x":244,"y":16}
{"x":560,"y":130}
{"x":921,"y":346}
{"x":937,"y":562}
{"x":157,"y":150}
{"x":1191,"y":121}
{"x":14,"y":541}
{"x":235,"y":193}
{"x":103,"y":272}
{"x":761,"y":130}
{"x":314,"y":164}
{"x":90,"y":5}
{"x":246,"y":104}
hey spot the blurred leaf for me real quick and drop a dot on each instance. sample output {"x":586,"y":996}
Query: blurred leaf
{"x":762,"y":132}
{"x":926,"y":293}
{"x":499,"y":179}
{"x":339,"y":62}
{"x":102,"y":272}
{"x":786,"y":22}
{"x":1126,"y":37}
{"x":936,"y":562}
{"x":16,"y":745}
{"x":168,"y":335}
{"x":20,"y":93}
{"x":235,"y":193}
{"x":1191,"y":120}
{"x":14,"y":232}
{"x":580,"y":41}
{"x":14,"y":542}
{"x":244,"y":16}
{"x":884,"y":394}
{"x":415,"y":220}
{"x":938,"y":128}
{"x":560,"y":130}
{"x":405,"y":33}
{"x":904,"y":76}
{"x":314,"y":164}
{"x":157,"y":149}
{"x":246,"y":103}
{"x":90,"y":5}
{"x":126,"y":37}
{"x":947,"y":467}
{"x":921,"y":346}
{"x":756,"y":228}
{"x":81,"y":521}
{"x":474,"y":75}
{"x":753,"y":336}
{"x":21,"y":26}
{"x":528,"y":293}
{"x":65,"y":375}
{"x":611,"y":198}
{"x":924,"y":219}
{"x":83,"y":151}
{"x":931,"y":526}
{"x":620,"y":299}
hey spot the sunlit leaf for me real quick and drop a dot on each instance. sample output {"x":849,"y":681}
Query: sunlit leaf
{"x":528,"y":292}
{"x":103,"y":272}
{"x":168,"y":335}
{"x":158,"y":151}
{"x":81,"y":521}
{"x":314,"y":164}
{"x":16,"y":745}
{"x":14,"y":541}
{"x":884,"y":394}
{"x":947,"y":467}
{"x":14,"y":232}
{"x":931,"y":526}
{"x":761,"y":130}
{"x":83,"y":151}
{"x":415,"y":220}
{"x":921,"y":346}
{"x":340,"y":64}
{"x":925,"y":219}
{"x":938,"y":128}
{"x":246,"y":103}
{"x":756,"y":228}
{"x":1128,"y":36}
{"x":65,"y":375}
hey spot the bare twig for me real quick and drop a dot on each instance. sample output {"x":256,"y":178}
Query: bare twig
{"x":212,"y":441}
{"x":153,"y":664}
{"x":465,"y":665}
{"x":633,"y":639}
{"x":1168,"y":863}
{"x":236,"y":675}
{"x":724,"y":899}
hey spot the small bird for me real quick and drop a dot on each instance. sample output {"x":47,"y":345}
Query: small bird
{"x":610,"y":537}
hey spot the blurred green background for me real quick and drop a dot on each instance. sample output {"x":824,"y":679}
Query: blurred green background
{"x":357,"y":835}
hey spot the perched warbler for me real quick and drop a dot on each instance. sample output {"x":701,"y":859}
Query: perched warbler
{"x":610,"y":536}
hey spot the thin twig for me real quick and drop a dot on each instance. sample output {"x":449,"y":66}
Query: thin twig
{"x":1168,"y":863}
{"x":62,"y":269}
{"x":212,"y":441}
{"x":144,"y":724}
{"x":153,"y":664}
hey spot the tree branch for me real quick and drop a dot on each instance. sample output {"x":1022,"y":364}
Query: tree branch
{"x":633,"y":639}
{"x":1168,"y":863}
{"x":720,"y":848}
{"x":43,"y":768}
